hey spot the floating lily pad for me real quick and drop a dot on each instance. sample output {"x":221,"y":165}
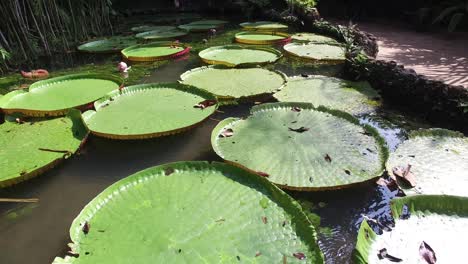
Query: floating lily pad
{"x":262,"y":38}
{"x":299,"y":147}
{"x":438,"y":159}
{"x":161,"y":50}
{"x":145,"y":28}
{"x":108,"y":45}
{"x":234,"y":83}
{"x":353,"y":97}
{"x":149,"y":110}
{"x":199,"y":27}
{"x":193,"y":212}
{"x":263,"y":25}
{"x":315,"y":51}
{"x":30,"y":147}
{"x":311,"y":37}
{"x":209,"y":22}
{"x":234,"y":55}
{"x":162,"y":34}
{"x":421,"y":222}
{"x":56,"y":96}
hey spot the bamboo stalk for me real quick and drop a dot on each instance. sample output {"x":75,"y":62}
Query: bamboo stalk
{"x":14,"y":200}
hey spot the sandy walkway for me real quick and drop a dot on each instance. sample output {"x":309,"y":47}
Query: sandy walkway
{"x":439,"y":56}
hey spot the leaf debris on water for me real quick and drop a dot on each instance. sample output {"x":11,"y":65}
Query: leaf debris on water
{"x":258,"y":254}
{"x":264,"y":219}
{"x":327,"y":158}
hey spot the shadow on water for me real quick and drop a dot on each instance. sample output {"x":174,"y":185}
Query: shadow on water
{"x":37,"y":233}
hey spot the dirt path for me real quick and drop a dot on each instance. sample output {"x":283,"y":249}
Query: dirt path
{"x":439,"y":56}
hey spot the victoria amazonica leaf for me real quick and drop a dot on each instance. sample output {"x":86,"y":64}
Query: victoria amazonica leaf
{"x":297,"y":146}
{"x":193,"y":212}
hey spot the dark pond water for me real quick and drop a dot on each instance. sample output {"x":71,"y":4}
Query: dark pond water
{"x":36,"y":233}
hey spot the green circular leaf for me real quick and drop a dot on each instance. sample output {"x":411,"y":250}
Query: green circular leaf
{"x":297,"y":146}
{"x":315,"y":51}
{"x":149,"y":110}
{"x":262,"y":38}
{"x":193,"y":212}
{"x":234,"y":83}
{"x":112,"y":44}
{"x":159,"y":50}
{"x":30,"y":147}
{"x":199,"y":27}
{"x":311,"y":37}
{"x":438,"y":159}
{"x":145,"y":28}
{"x":438,"y":221}
{"x":56,"y":96}
{"x":353,"y":97}
{"x":263,"y":25}
{"x":161,"y":34}
{"x":209,"y":22}
{"x":234,"y":55}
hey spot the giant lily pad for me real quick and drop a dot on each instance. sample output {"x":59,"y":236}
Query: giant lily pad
{"x":149,"y":110}
{"x":421,"y":222}
{"x":145,"y":28}
{"x":263,"y":25}
{"x":262,"y":38}
{"x":297,"y":146}
{"x":353,"y":97}
{"x":234,"y":83}
{"x":201,"y":26}
{"x":28,"y":148}
{"x":108,"y":45}
{"x":161,"y":34}
{"x":160,"y":50}
{"x":234,"y":55}
{"x":311,"y":37}
{"x":438,"y":160}
{"x":209,"y":22}
{"x":54,"y":97}
{"x":316,"y":51}
{"x":193,"y":212}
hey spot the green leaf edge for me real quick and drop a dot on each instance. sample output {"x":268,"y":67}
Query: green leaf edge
{"x":417,"y":204}
{"x":78,"y":128}
{"x":37,"y":85}
{"x":435,"y":132}
{"x":278,"y":54}
{"x":302,"y":224}
{"x":141,"y":87}
{"x":383,"y":149}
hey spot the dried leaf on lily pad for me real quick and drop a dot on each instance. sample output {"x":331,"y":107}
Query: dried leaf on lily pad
{"x":427,"y":253}
{"x":299,"y":130}
{"x":299,"y":255}
{"x":263,"y":140}
{"x":228,"y":132}
{"x":384,"y":255}
{"x":204,"y":104}
{"x":178,"y":219}
{"x":405,"y":174}
{"x":439,"y":160}
{"x":440,"y":219}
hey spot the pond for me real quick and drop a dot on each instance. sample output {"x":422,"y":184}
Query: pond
{"x":37,"y":232}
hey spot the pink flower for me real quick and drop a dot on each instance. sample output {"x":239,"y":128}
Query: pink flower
{"x":123,"y":67}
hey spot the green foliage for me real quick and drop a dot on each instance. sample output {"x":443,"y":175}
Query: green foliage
{"x":453,"y":13}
